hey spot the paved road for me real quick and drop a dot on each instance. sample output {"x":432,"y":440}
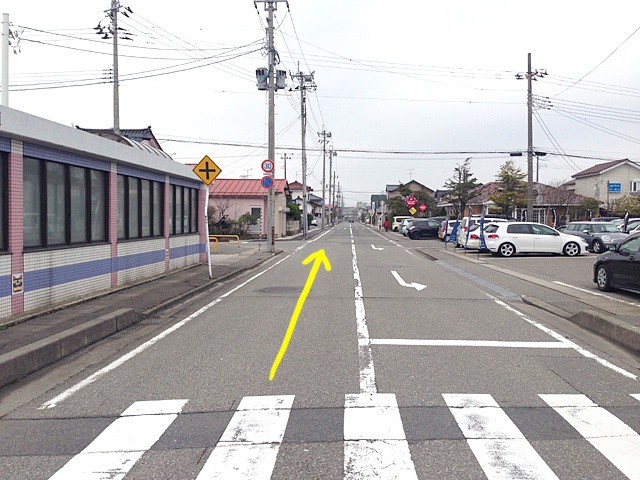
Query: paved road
{"x":402,"y":365}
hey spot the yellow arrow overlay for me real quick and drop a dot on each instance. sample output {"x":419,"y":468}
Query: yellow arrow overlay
{"x":318,"y":258}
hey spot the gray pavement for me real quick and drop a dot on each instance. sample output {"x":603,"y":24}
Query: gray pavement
{"x":33,"y":341}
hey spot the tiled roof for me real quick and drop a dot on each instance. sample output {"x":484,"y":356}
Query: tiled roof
{"x":143,"y":135}
{"x":601,"y":167}
{"x":484,"y":192}
{"x":244,"y":187}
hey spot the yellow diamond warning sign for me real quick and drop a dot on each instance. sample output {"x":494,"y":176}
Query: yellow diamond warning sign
{"x":207,"y":170}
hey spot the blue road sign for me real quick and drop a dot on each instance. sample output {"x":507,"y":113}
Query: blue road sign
{"x":267,"y":181}
{"x":615,"y":187}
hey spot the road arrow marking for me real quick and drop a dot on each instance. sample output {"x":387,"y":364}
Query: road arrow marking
{"x":415,"y":285}
{"x":318,"y":258}
{"x":376,"y":248}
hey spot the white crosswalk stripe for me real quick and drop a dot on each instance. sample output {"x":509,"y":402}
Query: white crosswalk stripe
{"x":375,"y":444}
{"x":116,"y":450}
{"x":607,"y":433}
{"x":499,"y":446}
{"x":248,"y":448}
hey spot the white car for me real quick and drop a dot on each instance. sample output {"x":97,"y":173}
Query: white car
{"x":471,"y":240}
{"x":508,"y":238}
{"x":314,"y":222}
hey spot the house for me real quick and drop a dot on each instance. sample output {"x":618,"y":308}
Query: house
{"x":142,"y":135}
{"x":235,"y":197}
{"x":608,"y":182}
{"x":550,"y":202}
{"x":393,"y":192}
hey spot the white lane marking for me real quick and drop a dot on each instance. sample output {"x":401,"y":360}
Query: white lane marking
{"x":117,"y":449}
{"x":249,"y":445}
{"x":365,"y":360}
{"x":636,"y":396}
{"x":614,"y":439}
{"x":402,"y":283}
{"x":466,"y":343}
{"x":118,"y":362}
{"x":375,"y":445}
{"x":582,"y":351}
{"x":376,"y":248}
{"x":499,"y":446}
{"x":597,"y":294}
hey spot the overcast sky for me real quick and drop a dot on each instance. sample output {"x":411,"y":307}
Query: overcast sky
{"x":408,"y":89}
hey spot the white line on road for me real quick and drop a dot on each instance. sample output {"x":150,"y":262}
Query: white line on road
{"x":117,"y":449}
{"x":249,"y":445}
{"x":618,"y":442}
{"x":582,"y":351}
{"x":499,"y":446}
{"x":375,"y":445}
{"x":402,"y":283}
{"x":466,"y":343}
{"x":365,"y":360}
{"x":597,"y":294}
{"x":376,"y":248}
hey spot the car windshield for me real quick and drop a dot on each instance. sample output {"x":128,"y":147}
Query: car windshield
{"x":605,"y":228}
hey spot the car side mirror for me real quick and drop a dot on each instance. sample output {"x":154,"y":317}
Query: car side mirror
{"x":586,"y":231}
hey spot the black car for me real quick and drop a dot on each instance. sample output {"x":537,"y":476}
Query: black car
{"x":423,"y":228}
{"x":599,"y":235}
{"x":620,"y":266}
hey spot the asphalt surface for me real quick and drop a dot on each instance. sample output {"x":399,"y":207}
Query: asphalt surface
{"x":31,"y":342}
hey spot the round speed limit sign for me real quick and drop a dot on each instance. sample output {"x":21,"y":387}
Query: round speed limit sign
{"x":267,"y":166}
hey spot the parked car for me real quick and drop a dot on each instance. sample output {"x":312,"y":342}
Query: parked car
{"x":631,"y":224}
{"x":423,"y":228}
{"x":467,"y":222}
{"x":471,"y":239}
{"x":619,"y":267}
{"x":604,"y":219}
{"x":404,"y":225}
{"x":508,"y":238}
{"x":395,"y":225}
{"x":314,"y":222}
{"x":599,"y":235}
{"x":448,"y":224}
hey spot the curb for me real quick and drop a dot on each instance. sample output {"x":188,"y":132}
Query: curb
{"x":23,"y":361}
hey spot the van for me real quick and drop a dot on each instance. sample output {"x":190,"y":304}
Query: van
{"x":395,"y":225}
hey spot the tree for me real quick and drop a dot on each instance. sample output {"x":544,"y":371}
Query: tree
{"x":461,"y":185}
{"x":512,"y":190}
{"x":621,"y":205}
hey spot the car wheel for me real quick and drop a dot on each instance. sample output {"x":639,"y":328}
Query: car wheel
{"x":597,"y":246}
{"x":571,"y":249}
{"x":602,"y":278}
{"x":507,"y":250}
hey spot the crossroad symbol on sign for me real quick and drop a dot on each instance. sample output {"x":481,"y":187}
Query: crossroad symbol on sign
{"x":207,"y":170}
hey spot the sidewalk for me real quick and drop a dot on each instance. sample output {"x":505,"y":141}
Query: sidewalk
{"x":33,"y":341}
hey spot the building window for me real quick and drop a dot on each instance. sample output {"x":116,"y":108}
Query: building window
{"x":32,"y":203}
{"x":4,"y":200}
{"x":635,"y":186}
{"x":183,"y":210}
{"x":63,"y":204}
{"x":140,"y":208}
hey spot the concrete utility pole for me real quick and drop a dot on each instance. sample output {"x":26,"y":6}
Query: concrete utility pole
{"x":332,"y":185}
{"x":270,"y":6}
{"x":113,"y":13}
{"x":285,"y":157}
{"x":530,"y":75}
{"x":305,"y":82}
{"x":5,"y":59}
{"x":324,"y":135}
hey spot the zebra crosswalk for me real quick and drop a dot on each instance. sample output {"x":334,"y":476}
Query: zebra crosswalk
{"x":375,"y":443}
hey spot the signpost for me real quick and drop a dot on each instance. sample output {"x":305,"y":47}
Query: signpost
{"x":207,"y":171}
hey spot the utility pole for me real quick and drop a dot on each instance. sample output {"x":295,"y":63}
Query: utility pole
{"x":270,"y":6}
{"x":305,"y":82}
{"x":324,"y":135}
{"x":332,"y":185}
{"x":285,"y":157}
{"x":530,"y":76}
{"x":5,"y":59}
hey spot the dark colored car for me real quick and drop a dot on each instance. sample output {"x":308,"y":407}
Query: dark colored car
{"x":600,"y":236}
{"x":620,"y":266}
{"x":423,"y":228}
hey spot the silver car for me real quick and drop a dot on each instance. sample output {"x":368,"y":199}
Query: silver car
{"x":599,"y":235}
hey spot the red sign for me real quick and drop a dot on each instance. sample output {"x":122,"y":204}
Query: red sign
{"x":423,"y":207}
{"x":267,"y":166}
{"x":267,"y":182}
{"x":411,"y":201}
